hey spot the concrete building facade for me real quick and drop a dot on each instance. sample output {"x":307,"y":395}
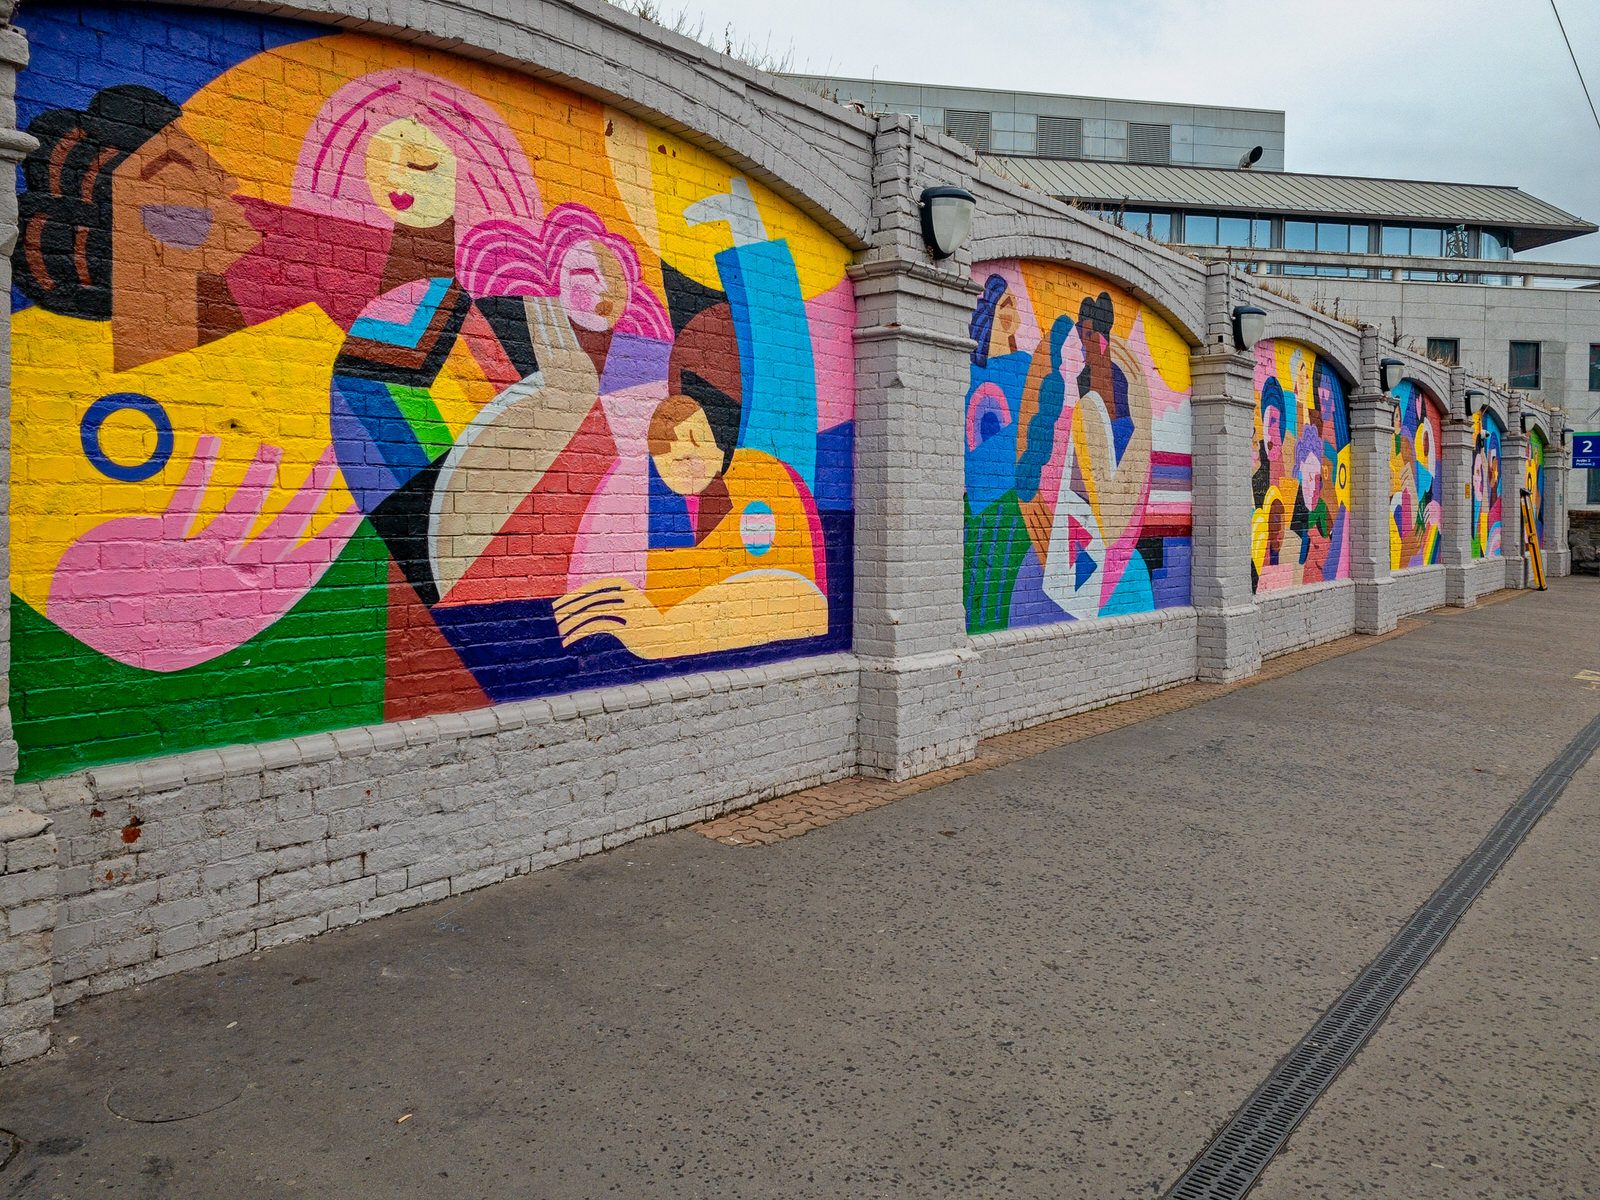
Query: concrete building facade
{"x":556,"y":433}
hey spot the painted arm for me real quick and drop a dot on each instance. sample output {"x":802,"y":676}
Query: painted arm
{"x":749,"y":609}
{"x":149,"y":592}
{"x":510,"y":445}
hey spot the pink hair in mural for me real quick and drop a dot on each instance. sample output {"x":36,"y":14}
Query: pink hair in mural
{"x":572,"y":255}
{"x":492,"y":175}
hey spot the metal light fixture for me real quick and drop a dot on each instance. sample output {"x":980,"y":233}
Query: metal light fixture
{"x":1392,"y":370}
{"x":1474,"y":399}
{"x":1565,"y":433}
{"x":946,"y":218}
{"x":1249,"y":326}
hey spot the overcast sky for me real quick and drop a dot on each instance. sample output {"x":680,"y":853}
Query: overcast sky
{"x":1469,"y":91}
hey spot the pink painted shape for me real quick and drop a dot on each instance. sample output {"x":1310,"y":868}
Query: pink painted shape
{"x":614,"y":537}
{"x":149,"y":593}
{"x":832,"y":317}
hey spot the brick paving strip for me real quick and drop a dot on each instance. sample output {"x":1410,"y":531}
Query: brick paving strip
{"x":799,"y":813}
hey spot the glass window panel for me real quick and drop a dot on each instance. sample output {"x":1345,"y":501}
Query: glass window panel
{"x":1594,"y":486}
{"x":1426,"y":241}
{"x":1296,"y":269}
{"x":1358,"y":239}
{"x":1161,"y":226}
{"x":1423,"y":276}
{"x":1299,"y":235}
{"x":1333,"y":237}
{"x":1396,"y":240}
{"x":1233,"y":231}
{"x":1199,"y":230}
{"x":1261,"y":233}
{"x":1525,"y":365}
{"x":1445,"y":350}
{"x":1594,"y":368}
{"x":1334,"y":272}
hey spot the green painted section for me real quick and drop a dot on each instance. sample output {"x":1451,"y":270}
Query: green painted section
{"x":319,"y":667}
{"x":422,"y":414}
{"x":996,"y":543}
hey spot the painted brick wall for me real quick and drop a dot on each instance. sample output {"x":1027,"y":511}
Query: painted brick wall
{"x":424,"y":472}
{"x":374,"y":382}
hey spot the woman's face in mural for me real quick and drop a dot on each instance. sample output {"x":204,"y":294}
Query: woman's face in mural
{"x":412,"y":174}
{"x":1002,"y":338}
{"x":1074,"y":355}
{"x":594,"y":287}
{"x":182,"y":199}
{"x":692,"y":458}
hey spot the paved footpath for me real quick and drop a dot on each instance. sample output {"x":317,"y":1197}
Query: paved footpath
{"x":1055,"y":978}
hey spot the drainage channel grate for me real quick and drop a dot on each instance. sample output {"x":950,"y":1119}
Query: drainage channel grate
{"x":1230,"y":1166}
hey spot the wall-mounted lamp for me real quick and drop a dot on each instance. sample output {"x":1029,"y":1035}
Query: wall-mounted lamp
{"x":1474,"y":400}
{"x":1524,"y":422}
{"x":1565,"y":433}
{"x":946,"y":218}
{"x":1392,"y":370}
{"x":1249,"y":326}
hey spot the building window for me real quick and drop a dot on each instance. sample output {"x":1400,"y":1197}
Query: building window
{"x":1445,"y":350}
{"x":1594,"y":368}
{"x":1199,"y":229}
{"x":1594,"y":486}
{"x":973,"y":128}
{"x":1060,"y":137}
{"x":1525,"y":366}
{"x":1149,"y":143}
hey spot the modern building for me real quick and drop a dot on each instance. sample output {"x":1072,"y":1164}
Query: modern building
{"x":1434,"y":265}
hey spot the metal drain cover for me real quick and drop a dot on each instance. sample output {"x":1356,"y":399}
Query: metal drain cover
{"x":172,"y":1095}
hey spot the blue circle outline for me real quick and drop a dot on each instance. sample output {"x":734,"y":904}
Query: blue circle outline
{"x":108,"y":406}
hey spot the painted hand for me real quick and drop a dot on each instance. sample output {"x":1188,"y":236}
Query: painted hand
{"x":153,"y":593}
{"x":617,"y":607}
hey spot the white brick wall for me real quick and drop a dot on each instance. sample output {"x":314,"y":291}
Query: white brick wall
{"x":1417,"y":590}
{"x":1306,"y":616}
{"x":186,"y":860}
{"x":1025,"y":676}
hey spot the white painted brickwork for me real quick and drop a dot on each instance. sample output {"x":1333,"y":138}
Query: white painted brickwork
{"x":1417,"y":590}
{"x":1307,"y":616}
{"x":248,"y":848}
{"x":28,"y":916}
{"x":1024,"y":676}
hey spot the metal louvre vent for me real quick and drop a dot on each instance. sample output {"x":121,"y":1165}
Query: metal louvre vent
{"x":1060,"y":137}
{"x":1230,"y":1166}
{"x":968,"y":126}
{"x":1149,"y":143}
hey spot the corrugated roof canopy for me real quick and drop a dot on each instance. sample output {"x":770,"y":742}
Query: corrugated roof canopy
{"x":1531,"y":221}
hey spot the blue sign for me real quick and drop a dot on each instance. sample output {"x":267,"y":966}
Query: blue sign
{"x":1586,"y":451}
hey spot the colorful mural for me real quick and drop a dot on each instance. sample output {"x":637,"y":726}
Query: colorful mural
{"x":1487,"y":433}
{"x":1535,"y":479}
{"x":355,"y":381}
{"x":1300,"y":533}
{"x":1078,"y":451}
{"x":1415,"y":493}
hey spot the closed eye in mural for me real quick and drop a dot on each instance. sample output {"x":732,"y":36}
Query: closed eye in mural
{"x":359,"y":382}
{"x":1078,"y":454}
